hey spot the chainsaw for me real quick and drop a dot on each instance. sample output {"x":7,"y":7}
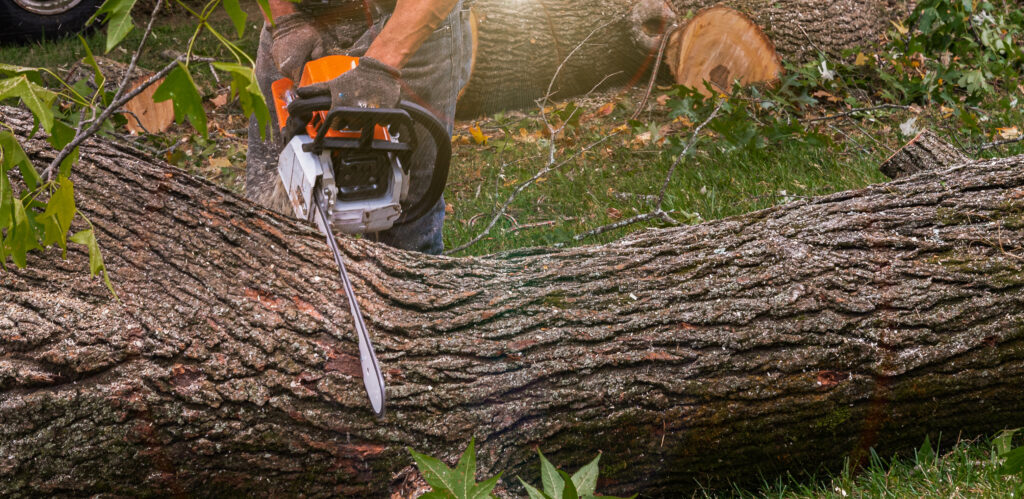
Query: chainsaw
{"x":346,"y":169}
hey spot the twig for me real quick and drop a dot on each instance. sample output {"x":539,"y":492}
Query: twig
{"x":869,"y":136}
{"x":854,"y":111}
{"x":679,"y":159}
{"x":523,"y":186}
{"x":137,"y":120}
{"x":1000,"y":143}
{"x":116,"y":101}
{"x":531,"y":226}
{"x":851,"y":139}
{"x":551,"y":84}
{"x":658,"y":212}
{"x":98,"y":122}
{"x":654,"y":72}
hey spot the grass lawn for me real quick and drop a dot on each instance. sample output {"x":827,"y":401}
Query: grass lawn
{"x":602,"y":170}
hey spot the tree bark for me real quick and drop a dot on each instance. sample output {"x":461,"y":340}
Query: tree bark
{"x":786,"y":339}
{"x":924,"y":152}
{"x":523,"y":46}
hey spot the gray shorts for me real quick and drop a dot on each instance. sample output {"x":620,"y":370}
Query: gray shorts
{"x":432,"y":78}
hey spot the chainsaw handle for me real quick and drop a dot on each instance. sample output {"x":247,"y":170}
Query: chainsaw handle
{"x":442,"y":161}
{"x":408,"y":113}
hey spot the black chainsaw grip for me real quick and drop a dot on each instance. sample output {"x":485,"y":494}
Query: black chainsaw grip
{"x":442,"y":161}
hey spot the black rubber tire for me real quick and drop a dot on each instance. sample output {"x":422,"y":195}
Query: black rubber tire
{"x":22,"y":26}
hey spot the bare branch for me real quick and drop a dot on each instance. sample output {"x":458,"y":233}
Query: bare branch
{"x":654,"y":72}
{"x":854,"y":111}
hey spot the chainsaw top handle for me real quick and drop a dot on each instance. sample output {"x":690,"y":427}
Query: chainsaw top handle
{"x":399,"y":123}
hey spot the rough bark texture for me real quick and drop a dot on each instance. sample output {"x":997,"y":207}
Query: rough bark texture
{"x":924,"y":152}
{"x":521,"y":44}
{"x":781,"y":340}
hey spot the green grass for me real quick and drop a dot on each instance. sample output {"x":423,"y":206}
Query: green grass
{"x":966,"y":470}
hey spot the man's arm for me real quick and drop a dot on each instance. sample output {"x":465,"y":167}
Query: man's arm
{"x":411,"y":24}
{"x":278,"y":8}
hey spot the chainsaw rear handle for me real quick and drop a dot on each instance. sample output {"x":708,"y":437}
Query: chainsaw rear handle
{"x":401,"y":121}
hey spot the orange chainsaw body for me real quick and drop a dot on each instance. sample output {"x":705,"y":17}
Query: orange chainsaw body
{"x":318,"y":71}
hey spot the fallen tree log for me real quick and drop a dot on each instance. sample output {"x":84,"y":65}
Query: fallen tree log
{"x":781,"y":340}
{"x":525,"y":47}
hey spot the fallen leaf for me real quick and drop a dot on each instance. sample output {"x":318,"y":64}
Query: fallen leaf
{"x":862,"y":60}
{"x":900,"y":27}
{"x":449,"y":209}
{"x":614,"y":214}
{"x":1008,"y":133}
{"x":663,"y":100}
{"x":478,"y":135}
{"x":220,"y":163}
{"x":219,"y":100}
{"x":605,"y":110}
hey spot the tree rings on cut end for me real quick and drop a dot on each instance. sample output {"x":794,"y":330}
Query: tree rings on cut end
{"x":721,"y":45}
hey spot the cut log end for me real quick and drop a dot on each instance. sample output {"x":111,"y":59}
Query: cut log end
{"x":924,"y":152}
{"x":722,"y":46}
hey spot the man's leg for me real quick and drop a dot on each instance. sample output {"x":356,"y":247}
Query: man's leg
{"x":432,"y":78}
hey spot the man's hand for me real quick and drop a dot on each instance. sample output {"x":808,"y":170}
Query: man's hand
{"x":296,"y":42}
{"x":370,"y":84}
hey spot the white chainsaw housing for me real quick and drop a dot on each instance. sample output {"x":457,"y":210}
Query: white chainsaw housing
{"x":301,"y":171}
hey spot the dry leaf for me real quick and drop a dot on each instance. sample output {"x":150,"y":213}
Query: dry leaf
{"x":614,"y":214}
{"x":1008,"y":133}
{"x":220,"y":163}
{"x":606,"y":109}
{"x":862,"y":60}
{"x":478,"y":135}
{"x":219,"y":100}
{"x":663,"y":100}
{"x":449,"y":209}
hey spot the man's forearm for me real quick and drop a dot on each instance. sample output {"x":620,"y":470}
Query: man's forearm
{"x":410,"y":26}
{"x":278,"y":8}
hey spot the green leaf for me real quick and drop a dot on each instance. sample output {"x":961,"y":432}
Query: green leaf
{"x":533,"y":492}
{"x":21,"y":238}
{"x":1003,"y":441}
{"x":484,"y":488}
{"x":570,"y":490}
{"x":245,"y":86}
{"x":1014,"y":463}
{"x":465,"y":472}
{"x":96,"y":266}
{"x":238,"y":16}
{"x":437,"y":495}
{"x":98,"y":78}
{"x":549,"y":478}
{"x":437,"y":474}
{"x":118,"y":18}
{"x":35,"y":97}
{"x":585,"y":480}
{"x":60,"y":211}
{"x":925,"y":455}
{"x":14,"y":155}
{"x":181,"y":90}
{"x":265,"y":7}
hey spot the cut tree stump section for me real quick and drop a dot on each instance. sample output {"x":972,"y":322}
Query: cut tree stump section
{"x":784,"y":340}
{"x":522,"y":44}
{"x":143,"y":113}
{"x":926,"y":151}
{"x":722,"y":46}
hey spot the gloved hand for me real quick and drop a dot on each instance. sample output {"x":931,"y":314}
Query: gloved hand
{"x":296,"y":42}
{"x":370,"y":84}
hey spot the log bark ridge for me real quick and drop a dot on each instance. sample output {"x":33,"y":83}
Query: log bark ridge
{"x":781,"y":340}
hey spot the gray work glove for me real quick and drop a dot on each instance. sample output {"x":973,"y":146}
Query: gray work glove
{"x":371,"y":84}
{"x":296,"y":41}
